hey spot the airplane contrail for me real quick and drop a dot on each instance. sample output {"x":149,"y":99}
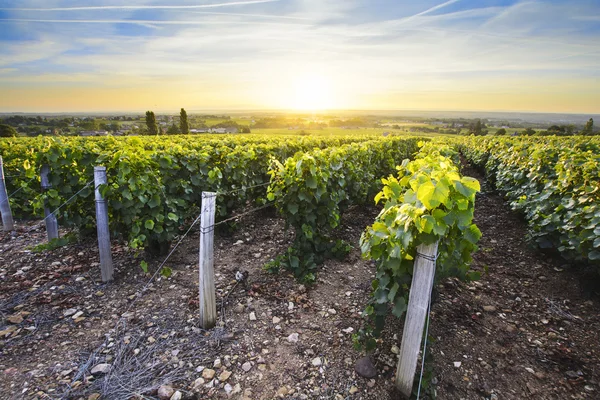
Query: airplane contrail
{"x":248,"y":15}
{"x":447,"y":3}
{"x":142,"y":7}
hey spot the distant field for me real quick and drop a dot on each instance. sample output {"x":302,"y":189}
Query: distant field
{"x":391,"y":123}
{"x":342,"y":132}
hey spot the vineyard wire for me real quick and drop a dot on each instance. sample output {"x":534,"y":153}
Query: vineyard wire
{"x":219,"y":193}
{"x":244,"y":188}
{"x":59,"y":207}
{"x":17,"y":191}
{"x":90,"y":360}
{"x":85,"y":366}
{"x":212,"y":227}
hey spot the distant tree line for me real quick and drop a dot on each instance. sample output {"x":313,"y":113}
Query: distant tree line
{"x":478,"y":128}
{"x":184,"y":126}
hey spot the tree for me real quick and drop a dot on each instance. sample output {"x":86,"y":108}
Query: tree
{"x":89,"y":125}
{"x":113,"y":126}
{"x":7,"y":131}
{"x":501,"y":132}
{"x":183,"y":122}
{"x":529,"y":132}
{"x":173,"y":130}
{"x":477,"y":129}
{"x":589,"y":128}
{"x":151,"y":123}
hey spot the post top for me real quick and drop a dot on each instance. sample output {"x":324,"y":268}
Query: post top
{"x":100,"y":168}
{"x":209,"y":194}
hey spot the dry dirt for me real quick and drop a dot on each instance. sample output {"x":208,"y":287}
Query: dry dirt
{"x":526,"y":330}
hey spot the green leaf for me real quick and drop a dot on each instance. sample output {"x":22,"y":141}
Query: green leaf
{"x":144,"y":266}
{"x":467,"y":186}
{"x":399,"y":307}
{"x":472,"y":234}
{"x":172,"y":217}
{"x":380,"y":230}
{"x":594,"y":255}
{"x":463,"y":204}
{"x":432,"y":195}
{"x":311,"y":182}
{"x":380,"y":296}
{"x":426,"y":223}
{"x":463,"y":217}
{"x":474,"y":275}
{"x":154,"y":202}
{"x":292,"y":208}
{"x":166,"y":272}
{"x":393,"y":291}
{"x":149,"y":224}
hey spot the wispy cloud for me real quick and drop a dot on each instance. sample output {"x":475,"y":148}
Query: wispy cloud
{"x":147,"y":22}
{"x":373,"y":54}
{"x":432,"y":9}
{"x":141,"y":7}
{"x":249,"y":15}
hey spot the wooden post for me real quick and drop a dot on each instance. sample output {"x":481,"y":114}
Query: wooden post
{"x":208,"y":303}
{"x":418,"y":303}
{"x":106,"y":264}
{"x":50,"y":219}
{"x":7,"y":219}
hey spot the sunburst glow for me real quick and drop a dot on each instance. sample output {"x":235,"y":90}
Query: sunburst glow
{"x":312,"y":93}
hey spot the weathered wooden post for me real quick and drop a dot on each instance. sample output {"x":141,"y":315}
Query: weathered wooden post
{"x":7,"y":219}
{"x":418,"y":303}
{"x":50,"y":219}
{"x":208,"y":303}
{"x":106,"y":264}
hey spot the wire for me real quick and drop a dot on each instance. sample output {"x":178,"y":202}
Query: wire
{"x":71,"y":198}
{"x":178,"y":243}
{"x":427,"y":257}
{"x":59,"y":207}
{"x":16,"y":191}
{"x":142,"y":291}
{"x":212,"y":227}
{"x":243,"y":188}
{"x":424,"y":348}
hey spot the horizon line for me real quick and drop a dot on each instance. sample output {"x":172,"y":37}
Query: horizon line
{"x":292,"y":111}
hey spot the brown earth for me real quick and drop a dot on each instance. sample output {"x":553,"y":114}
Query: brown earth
{"x":526,"y":330}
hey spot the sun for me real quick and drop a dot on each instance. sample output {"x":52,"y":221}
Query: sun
{"x":311,"y":93}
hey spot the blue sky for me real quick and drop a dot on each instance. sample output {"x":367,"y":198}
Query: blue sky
{"x":453,"y":55}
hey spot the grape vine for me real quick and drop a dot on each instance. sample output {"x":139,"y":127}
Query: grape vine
{"x":312,"y":190}
{"x":427,"y":201}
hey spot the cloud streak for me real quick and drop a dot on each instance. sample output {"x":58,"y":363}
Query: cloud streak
{"x":144,"y":22}
{"x":432,"y":9}
{"x":142,"y":7}
{"x":249,"y":15}
{"x":372,"y":54}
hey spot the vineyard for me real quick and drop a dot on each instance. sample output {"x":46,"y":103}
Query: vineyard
{"x":316,"y":243}
{"x":555,"y":183}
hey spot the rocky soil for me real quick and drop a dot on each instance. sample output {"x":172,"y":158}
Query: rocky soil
{"x":526,"y":330}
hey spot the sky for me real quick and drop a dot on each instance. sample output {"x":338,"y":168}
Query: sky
{"x":137,"y":55}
